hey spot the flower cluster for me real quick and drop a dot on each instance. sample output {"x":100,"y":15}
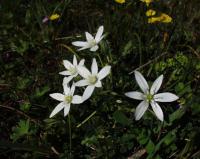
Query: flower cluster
{"x":162,"y":17}
{"x":93,"y":78}
{"x":72,"y":70}
{"x":151,"y":14}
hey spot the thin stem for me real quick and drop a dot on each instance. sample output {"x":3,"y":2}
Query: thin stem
{"x":100,"y":59}
{"x":70,"y":137}
{"x":84,"y":121}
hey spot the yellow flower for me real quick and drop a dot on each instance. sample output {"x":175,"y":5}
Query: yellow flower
{"x":147,"y":2}
{"x":164,"y":18}
{"x":120,"y":1}
{"x":54,"y":16}
{"x":150,"y":13}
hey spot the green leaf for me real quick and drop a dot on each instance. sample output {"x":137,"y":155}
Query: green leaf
{"x":20,"y":130}
{"x":119,"y":117}
{"x":150,"y":147}
{"x":40,"y":92}
{"x":176,"y":115}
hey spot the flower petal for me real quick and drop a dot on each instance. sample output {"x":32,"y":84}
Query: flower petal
{"x":81,"y":63}
{"x":99,"y":34}
{"x":165,"y":97}
{"x":67,"y":64}
{"x":83,"y":71}
{"x":135,"y":95}
{"x":98,"y":84}
{"x":83,"y":48}
{"x":72,"y":89}
{"x":104,"y":72}
{"x":94,"y":48}
{"x":77,"y":99}
{"x":94,"y":67}
{"x":58,"y":108}
{"x":82,"y":83}
{"x":88,"y":92}
{"x":157,"y":110}
{"x":65,"y":73}
{"x":74,"y":61}
{"x":140,"y":110}
{"x":156,"y":85}
{"x":66,"y":87}
{"x":66,"y":80}
{"x":57,"y":96}
{"x":80,"y":43}
{"x":141,"y":82}
{"x":89,"y":37}
{"x":66,"y":109}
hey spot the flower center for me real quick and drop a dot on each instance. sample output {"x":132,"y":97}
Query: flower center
{"x":92,"y":42}
{"x":68,"y":99}
{"x":92,"y":79}
{"x":73,"y":70}
{"x":149,"y":97}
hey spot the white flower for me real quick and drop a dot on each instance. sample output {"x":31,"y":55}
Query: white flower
{"x":91,"y":79}
{"x":65,"y":100}
{"x":71,"y":71}
{"x":149,"y":96}
{"x":91,"y":43}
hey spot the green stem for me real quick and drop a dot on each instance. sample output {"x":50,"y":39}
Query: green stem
{"x":70,"y":137}
{"x":140,"y":47}
{"x":84,"y":121}
{"x":100,"y":60}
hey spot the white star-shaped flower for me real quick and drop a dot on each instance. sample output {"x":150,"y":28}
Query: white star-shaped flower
{"x":71,"y":71}
{"x":65,"y":99}
{"x":92,"y":42}
{"x":149,"y":96}
{"x":91,"y":79}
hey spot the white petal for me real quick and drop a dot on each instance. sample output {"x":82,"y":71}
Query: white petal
{"x":141,"y":82}
{"x":80,"y":43}
{"x":98,"y":84}
{"x":75,"y":61}
{"x":94,"y":67}
{"x":66,"y":80}
{"x":57,"y":96}
{"x":94,"y":48}
{"x":88,"y":92}
{"x":89,"y":37}
{"x":72,"y":89}
{"x":156,"y":85}
{"x":65,"y":73}
{"x":67,"y":64}
{"x":82,"y":83}
{"x":99,"y":34}
{"x":77,"y":99}
{"x":85,"y":47}
{"x":140,"y":110}
{"x":66,"y":88}
{"x":135,"y":95}
{"x":104,"y":72}
{"x":165,"y":97}
{"x":58,"y":108}
{"x":81,"y":63}
{"x":83,"y":71}
{"x":66,"y":109}
{"x":157,"y":110}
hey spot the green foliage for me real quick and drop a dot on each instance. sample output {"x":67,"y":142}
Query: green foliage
{"x":31,"y":54}
{"x":21,"y":130}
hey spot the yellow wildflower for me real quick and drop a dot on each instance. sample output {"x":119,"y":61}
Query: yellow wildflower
{"x":164,"y":18}
{"x":54,"y":16}
{"x":120,"y":1}
{"x":150,"y":13}
{"x":147,"y":2}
